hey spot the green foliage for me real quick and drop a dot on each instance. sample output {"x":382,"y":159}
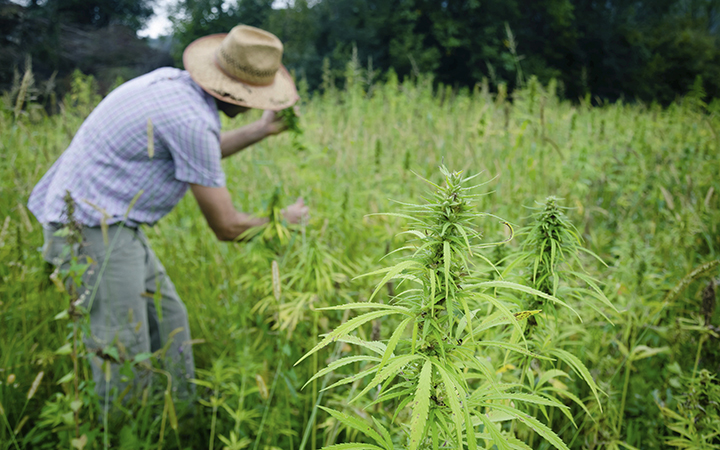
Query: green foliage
{"x":292,"y":122}
{"x":431,"y":365}
{"x":639,"y":190}
{"x":696,"y":422}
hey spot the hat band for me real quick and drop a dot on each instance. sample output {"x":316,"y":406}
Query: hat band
{"x":252,"y":72}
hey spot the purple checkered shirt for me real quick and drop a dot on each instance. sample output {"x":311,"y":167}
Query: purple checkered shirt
{"x":107,"y":163}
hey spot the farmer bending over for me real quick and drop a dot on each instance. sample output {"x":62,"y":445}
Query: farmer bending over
{"x":108,"y":163}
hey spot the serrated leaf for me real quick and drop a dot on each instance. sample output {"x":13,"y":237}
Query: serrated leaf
{"x":364,"y":305}
{"x":389,"y":394}
{"x":503,"y":309}
{"x":574,"y":398}
{"x":374,"y":346}
{"x":346,"y":328}
{"x":389,"y":371}
{"x":385,"y":434}
{"x":421,"y":406}
{"x":512,"y":347}
{"x":451,"y":394}
{"x":392,"y":343}
{"x":352,"y":446}
{"x":497,"y":438}
{"x":525,"y":289}
{"x":392,"y":272}
{"x":535,"y":399}
{"x":600,"y":294}
{"x":533,"y":423}
{"x":545,"y":377}
{"x":340,"y":363}
{"x":580,"y":368}
{"x":469,"y":428}
{"x":351,"y":378}
{"x":355,"y":423}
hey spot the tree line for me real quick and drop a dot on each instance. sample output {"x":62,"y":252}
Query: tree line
{"x":651,"y":50}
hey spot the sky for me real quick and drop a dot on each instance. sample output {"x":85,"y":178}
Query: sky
{"x":159,"y":25}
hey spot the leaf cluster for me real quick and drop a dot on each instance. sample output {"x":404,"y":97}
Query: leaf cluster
{"x":452,"y":393}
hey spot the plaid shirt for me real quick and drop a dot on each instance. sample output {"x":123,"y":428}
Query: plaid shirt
{"x":107,"y":163}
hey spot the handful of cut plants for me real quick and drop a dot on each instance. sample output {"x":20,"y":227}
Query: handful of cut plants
{"x":274,"y":229}
{"x":292,"y":121}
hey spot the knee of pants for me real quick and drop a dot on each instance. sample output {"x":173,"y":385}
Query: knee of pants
{"x":129,"y":339}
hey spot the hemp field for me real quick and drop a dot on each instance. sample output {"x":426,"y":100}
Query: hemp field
{"x":641,"y":187}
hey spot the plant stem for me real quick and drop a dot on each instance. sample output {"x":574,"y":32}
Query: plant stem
{"x":76,"y":413}
{"x":697,"y":356}
{"x":306,"y":433}
{"x":106,"y":437}
{"x":621,"y":413}
{"x":10,"y":430}
{"x":313,"y":444}
{"x":214,"y":419}
{"x":267,"y":404}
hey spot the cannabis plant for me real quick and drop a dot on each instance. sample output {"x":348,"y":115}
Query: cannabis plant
{"x":553,"y":248}
{"x":292,"y":122}
{"x":441,"y":354}
{"x":274,"y":233}
{"x":695,"y":422}
{"x":551,"y":255}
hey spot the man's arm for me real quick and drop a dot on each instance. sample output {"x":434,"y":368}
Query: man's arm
{"x":233,"y":141}
{"x":226,"y":222}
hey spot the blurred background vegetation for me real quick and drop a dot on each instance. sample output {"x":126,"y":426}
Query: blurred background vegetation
{"x":649,"y":50}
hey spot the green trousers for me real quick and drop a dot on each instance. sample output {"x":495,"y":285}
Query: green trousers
{"x":126,"y":276}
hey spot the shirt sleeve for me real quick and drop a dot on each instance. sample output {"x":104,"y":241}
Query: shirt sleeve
{"x":195,"y":148}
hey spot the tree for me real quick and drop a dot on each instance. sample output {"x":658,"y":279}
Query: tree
{"x":98,"y":14}
{"x":96,"y":36}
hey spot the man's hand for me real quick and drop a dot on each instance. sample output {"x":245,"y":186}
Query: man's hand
{"x":272,"y":123}
{"x":269,"y":124}
{"x":296,"y":212}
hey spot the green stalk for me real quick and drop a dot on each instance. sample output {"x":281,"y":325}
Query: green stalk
{"x":313,"y":444}
{"x":313,"y":413}
{"x":214,"y":419}
{"x":703,"y":338}
{"x":10,"y":430}
{"x":626,"y":383}
{"x":267,"y":405}
{"x":76,"y":413}
{"x":106,"y":438}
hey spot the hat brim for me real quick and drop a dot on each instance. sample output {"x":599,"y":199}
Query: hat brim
{"x":199,"y":61}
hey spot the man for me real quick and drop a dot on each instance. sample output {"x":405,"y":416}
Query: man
{"x":116,"y":176}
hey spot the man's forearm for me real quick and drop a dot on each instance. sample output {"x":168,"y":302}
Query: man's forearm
{"x":233,"y":141}
{"x":226,"y":222}
{"x":240,"y":224}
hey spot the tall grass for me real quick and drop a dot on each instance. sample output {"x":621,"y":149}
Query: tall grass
{"x":639,"y":182}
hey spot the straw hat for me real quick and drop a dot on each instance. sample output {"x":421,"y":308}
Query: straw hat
{"x":242,"y":67}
